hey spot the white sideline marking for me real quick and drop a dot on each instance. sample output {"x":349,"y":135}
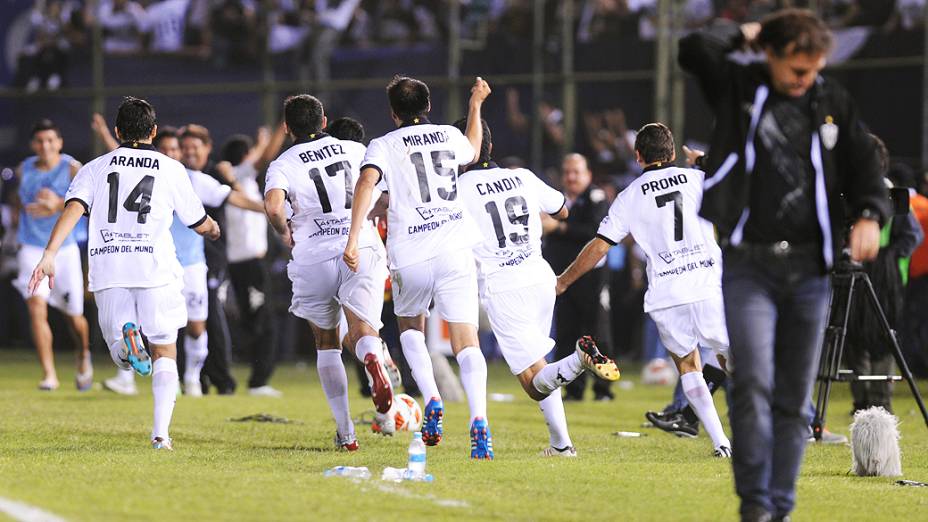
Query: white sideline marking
{"x":26,"y":513}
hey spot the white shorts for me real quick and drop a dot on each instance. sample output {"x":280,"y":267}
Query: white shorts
{"x":158,"y":311}
{"x":682,"y":328}
{"x":195,"y":292}
{"x":68,"y":294}
{"x":321,"y":289}
{"x":521,"y":320}
{"x":450,"y":279}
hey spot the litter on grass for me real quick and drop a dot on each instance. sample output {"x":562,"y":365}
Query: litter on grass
{"x":264,"y":417}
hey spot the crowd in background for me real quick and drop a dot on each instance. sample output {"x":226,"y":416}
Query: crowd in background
{"x":239,"y":31}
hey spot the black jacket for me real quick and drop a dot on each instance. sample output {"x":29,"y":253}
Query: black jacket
{"x":587,"y":211}
{"x":848,"y":166}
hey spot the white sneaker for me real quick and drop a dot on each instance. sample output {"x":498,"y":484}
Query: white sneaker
{"x":193,"y":388}
{"x":48,"y":384}
{"x":120,"y":386}
{"x":551,"y":451}
{"x":384,"y":423}
{"x":84,"y":380}
{"x":265,"y":391}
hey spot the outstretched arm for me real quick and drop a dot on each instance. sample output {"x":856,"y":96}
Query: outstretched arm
{"x":65,"y":224}
{"x":363,"y":192}
{"x":240,"y":200}
{"x":474,"y":131}
{"x":98,"y":124}
{"x":586,"y":260}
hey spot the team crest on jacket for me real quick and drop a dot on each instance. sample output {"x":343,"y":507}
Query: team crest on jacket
{"x":829,"y":132}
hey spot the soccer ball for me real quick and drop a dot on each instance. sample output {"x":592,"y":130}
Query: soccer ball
{"x":659,"y":372}
{"x":407,"y":413}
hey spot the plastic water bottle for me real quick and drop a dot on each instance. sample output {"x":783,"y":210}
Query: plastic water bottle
{"x":416,"y":465}
{"x":349,"y":472}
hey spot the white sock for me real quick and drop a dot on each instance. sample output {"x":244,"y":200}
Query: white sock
{"x":164,"y":388}
{"x":417,"y":357}
{"x":335,"y":385}
{"x":196,"y":351}
{"x":557,"y":374}
{"x":552,"y":407}
{"x":368,"y":344}
{"x":697,"y":393}
{"x":125,"y":376}
{"x":474,"y":380}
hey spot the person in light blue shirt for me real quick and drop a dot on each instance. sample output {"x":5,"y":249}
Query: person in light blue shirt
{"x":43,"y":182}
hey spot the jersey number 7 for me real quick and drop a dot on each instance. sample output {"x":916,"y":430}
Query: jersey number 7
{"x":677,"y":199}
{"x":137,"y":200}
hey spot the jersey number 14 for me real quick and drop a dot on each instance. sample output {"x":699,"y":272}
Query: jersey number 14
{"x":137,"y":201}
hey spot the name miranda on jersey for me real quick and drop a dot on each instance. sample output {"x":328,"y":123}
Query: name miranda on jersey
{"x":664,"y":183}
{"x":429,"y":138}
{"x":135,"y":161}
{"x":322,"y":153}
{"x":501,"y":185}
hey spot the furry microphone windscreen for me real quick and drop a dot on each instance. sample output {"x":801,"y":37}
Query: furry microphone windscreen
{"x":875,"y":444}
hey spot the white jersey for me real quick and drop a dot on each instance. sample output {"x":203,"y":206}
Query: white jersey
{"x":132,"y":194}
{"x":420,"y":166}
{"x":246,"y":231}
{"x":506,"y":204}
{"x":319,"y":177}
{"x":660,"y":209}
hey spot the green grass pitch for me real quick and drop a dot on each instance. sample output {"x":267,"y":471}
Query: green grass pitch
{"x":86,"y":457}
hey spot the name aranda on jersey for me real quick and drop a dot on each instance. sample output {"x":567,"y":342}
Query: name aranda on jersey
{"x":146,"y":162}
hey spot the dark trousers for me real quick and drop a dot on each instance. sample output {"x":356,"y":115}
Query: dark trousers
{"x":216,"y":368}
{"x":251,"y":285}
{"x":870,"y":393}
{"x":775,"y":307}
{"x":576,"y":313}
{"x":915,"y":326}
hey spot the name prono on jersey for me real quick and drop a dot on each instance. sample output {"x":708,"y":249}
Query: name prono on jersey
{"x":506,"y":204}
{"x":660,"y":209}
{"x":419,"y":163}
{"x":131,"y":195}
{"x":319,"y":176}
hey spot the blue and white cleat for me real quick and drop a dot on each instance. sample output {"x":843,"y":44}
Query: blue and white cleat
{"x":159,"y":443}
{"x":431,"y":422}
{"x":481,"y":442}
{"x":137,"y":356}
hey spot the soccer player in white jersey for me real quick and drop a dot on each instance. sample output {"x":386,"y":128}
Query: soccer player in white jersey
{"x":660,"y":209}
{"x":429,"y":242}
{"x":43,"y":182}
{"x":317,"y":175}
{"x":131,"y":195}
{"x":518,"y":286}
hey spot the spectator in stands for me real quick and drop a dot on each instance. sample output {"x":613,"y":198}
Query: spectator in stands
{"x":332,"y":17}
{"x":234,"y":28}
{"x":915,"y":310}
{"x":611,"y":141}
{"x":122,"y":22}
{"x":246,"y":247}
{"x":44,"y":60}
{"x":577,"y":310}
{"x":165,"y":22}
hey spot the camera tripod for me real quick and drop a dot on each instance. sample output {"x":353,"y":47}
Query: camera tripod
{"x":848,"y":279}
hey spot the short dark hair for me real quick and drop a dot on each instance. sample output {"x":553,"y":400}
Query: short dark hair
{"x":654,"y":142}
{"x":236,"y":148}
{"x":800,"y":28}
{"x":135,"y":119}
{"x":163,"y":134}
{"x":44,"y":124}
{"x":193,"y":130}
{"x":303,"y":114}
{"x":487,"y":138}
{"x":882,"y":153}
{"x":346,"y":128}
{"x":409,"y":98}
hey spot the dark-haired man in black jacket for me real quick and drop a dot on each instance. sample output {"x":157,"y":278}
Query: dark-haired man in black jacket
{"x":787,"y":145}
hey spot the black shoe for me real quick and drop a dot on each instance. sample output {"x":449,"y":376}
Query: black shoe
{"x":660,"y":415}
{"x":675,"y":424}
{"x":754,"y":513}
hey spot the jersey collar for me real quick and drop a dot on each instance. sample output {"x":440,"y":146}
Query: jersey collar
{"x":419,"y":120}
{"x":657,"y":166}
{"x":482,"y":165}
{"x":312,"y":137}
{"x":136,"y":145}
